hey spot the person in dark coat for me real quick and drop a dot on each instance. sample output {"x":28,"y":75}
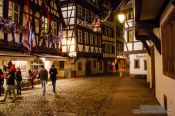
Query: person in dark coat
{"x":10,"y":82}
{"x":31,"y":78}
{"x":53,"y":74}
{"x":1,"y":81}
{"x":116,"y":66}
{"x":43,"y":75}
{"x":18,"y":80}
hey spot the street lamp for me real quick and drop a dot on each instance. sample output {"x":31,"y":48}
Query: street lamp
{"x":121,"y":17}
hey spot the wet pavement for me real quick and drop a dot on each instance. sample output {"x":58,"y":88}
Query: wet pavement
{"x":86,"y":96}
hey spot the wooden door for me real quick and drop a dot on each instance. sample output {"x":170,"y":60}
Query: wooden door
{"x":88,"y":67}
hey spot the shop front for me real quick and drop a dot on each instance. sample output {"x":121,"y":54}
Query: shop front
{"x":23,"y":61}
{"x":48,"y":60}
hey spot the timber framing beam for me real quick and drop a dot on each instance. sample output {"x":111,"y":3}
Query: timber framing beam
{"x":142,"y":37}
{"x":154,"y":39}
{"x":148,"y":24}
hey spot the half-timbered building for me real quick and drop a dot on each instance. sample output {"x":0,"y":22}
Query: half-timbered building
{"x":83,"y":45}
{"x":133,"y":48}
{"x":30,"y":33}
{"x":108,"y":38}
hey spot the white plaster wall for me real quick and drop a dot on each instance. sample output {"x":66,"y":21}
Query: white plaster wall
{"x":138,"y":46}
{"x":137,"y":71}
{"x":164,"y":84}
{"x":148,"y":58}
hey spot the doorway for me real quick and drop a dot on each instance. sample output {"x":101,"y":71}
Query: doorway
{"x":88,"y":67}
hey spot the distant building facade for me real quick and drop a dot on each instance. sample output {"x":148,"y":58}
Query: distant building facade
{"x":133,"y":49}
{"x":91,"y":52}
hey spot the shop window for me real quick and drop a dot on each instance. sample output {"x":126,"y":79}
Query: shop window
{"x":168,"y":46}
{"x":136,"y":63}
{"x":130,"y":36}
{"x":61,"y":64}
{"x":1,"y":8}
{"x":145,"y":65}
{"x":94,"y":64}
{"x":79,"y":66}
{"x":13,"y":12}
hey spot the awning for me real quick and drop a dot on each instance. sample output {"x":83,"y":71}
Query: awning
{"x":10,"y":55}
{"x":49,"y":57}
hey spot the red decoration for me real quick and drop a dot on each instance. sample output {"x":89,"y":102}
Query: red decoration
{"x":96,"y":25}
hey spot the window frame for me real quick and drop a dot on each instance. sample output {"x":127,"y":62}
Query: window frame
{"x":14,"y":12}
{"x":61,"y":64}
{"x":168,"y":48}
{"x":135,"y":63}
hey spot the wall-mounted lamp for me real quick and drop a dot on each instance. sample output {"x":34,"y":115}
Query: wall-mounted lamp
{"x":121,"y":17}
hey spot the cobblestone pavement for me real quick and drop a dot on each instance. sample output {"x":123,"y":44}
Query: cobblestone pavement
{"x":87,"y":96}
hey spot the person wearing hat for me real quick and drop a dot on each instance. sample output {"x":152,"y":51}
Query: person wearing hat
{"x":43,"y":75}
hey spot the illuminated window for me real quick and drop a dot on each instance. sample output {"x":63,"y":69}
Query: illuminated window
{"x":54,"y":27}
{"x":1,"y":8}
{"x":13,"y":12}
{"x":130,"y":36}
{"x":44,"y":25}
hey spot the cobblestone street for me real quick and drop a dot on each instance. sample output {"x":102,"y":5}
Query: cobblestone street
{"x":86,"y":96}
{"x":75,"y":96}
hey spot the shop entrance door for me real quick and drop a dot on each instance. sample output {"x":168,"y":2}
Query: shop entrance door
{"x":88,"y":67}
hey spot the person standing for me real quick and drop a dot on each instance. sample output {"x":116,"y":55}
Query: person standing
{"x":1,"y":81}
{"x":53,"y":74}
{"x":18,"y":80}
{"x":43,"y":75}
{"x":31,"y":78}
{"x":10,"y":82}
